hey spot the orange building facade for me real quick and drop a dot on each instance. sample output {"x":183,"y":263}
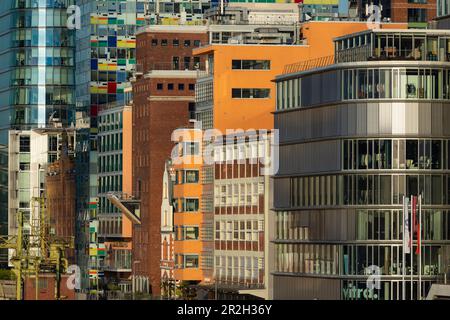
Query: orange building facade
{"x":115,"y":175}
{"x":231,"y":112}
{"x":192,"y":226}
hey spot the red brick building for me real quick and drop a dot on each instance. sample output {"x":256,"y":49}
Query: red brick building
{"x":414,"y":12}
{"x":169,"y":47}
{"x":46,"y":288}
{"x":163,"y":101}
{"x":61,"y":199}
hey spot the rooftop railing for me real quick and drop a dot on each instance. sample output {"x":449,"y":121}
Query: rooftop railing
{"x":309,"y":64}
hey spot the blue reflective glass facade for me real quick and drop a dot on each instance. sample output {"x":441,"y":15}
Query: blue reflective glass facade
{"x":36,"y":74}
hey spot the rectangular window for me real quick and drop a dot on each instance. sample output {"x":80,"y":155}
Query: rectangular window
{"x":417,"y":15}
{"x":175,"y":63}
{"x":250,"y":64}
{"x":190,"y":148}
{"x":191,"y":261}
{"x":24,"y":144}
{"x":24,"y":166}
{"x":187,"y":62}
{"x":191,"y":176}
{"x":191,"y":205}
{"x":250,"y":93}
{"x":190,"y":233}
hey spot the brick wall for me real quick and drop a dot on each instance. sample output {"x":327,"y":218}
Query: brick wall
{"x":156,"y":56}
{"x":153,"y":124}
{"x":47,"y":288}
{"x":399,"y":9}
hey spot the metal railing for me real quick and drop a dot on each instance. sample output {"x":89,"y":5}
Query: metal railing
{"x":309,"y":64}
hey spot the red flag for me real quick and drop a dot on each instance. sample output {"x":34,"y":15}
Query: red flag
{"x":413,"y":218}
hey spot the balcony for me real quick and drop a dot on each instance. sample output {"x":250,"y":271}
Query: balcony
{"x":398,"y":45}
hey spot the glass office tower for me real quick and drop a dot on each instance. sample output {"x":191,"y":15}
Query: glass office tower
{"x":36,"y":89}
{"x":355,"y":138}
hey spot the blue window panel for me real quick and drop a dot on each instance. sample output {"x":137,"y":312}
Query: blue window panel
{"x":94,"y":64}
{"x":121,"y":76}
{"x":120,"y":97}
{"x":112,"y":41}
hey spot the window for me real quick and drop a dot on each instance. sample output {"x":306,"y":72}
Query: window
{"x":191,"y":86}
{"x":250,"y":64}
{"x":190,"y":205}
{"x":187,"y":62}
{"x":53,"y":143}
{"x":164,"y":42}
{"x":159,"y":86}
{"x":367,"y":154}
{"x":191,"y":176}
{"x":236,"y":64}
{"x":154,"y":42}
{"x":436,"y":154}
{"x":189,"y":148}
{"x":191,"y":261}
{"x":196,"y":62}
{"x":412,"y":151}
{"x":176,"y":42}
{"x":187,"y":43}
{"x":175,"y":63}
{"x":190,"y":233}
{"x":170,"y":86}
{"x":24,"y":166}
{"x":399,"y":83}
{"x":247,"y":93}
{"x":181,"y":86}
{"x":197,"y":43}
{"x":417,"y":15}
{"x":24,"y":144}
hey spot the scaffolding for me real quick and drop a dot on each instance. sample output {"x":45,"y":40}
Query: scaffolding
{"x":37,"y":252}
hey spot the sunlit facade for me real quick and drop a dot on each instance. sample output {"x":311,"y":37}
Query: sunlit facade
{"x":36,"y":91}
{"x":349,"y":152}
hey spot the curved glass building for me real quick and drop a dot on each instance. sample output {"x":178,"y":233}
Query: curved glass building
{"x":356,"y":137}
{"x":36,"y":89}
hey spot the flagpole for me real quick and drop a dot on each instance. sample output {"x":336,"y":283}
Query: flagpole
{"x":411,"y":236}
{"x":403,"y":251}
{"x":419,"y":239}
